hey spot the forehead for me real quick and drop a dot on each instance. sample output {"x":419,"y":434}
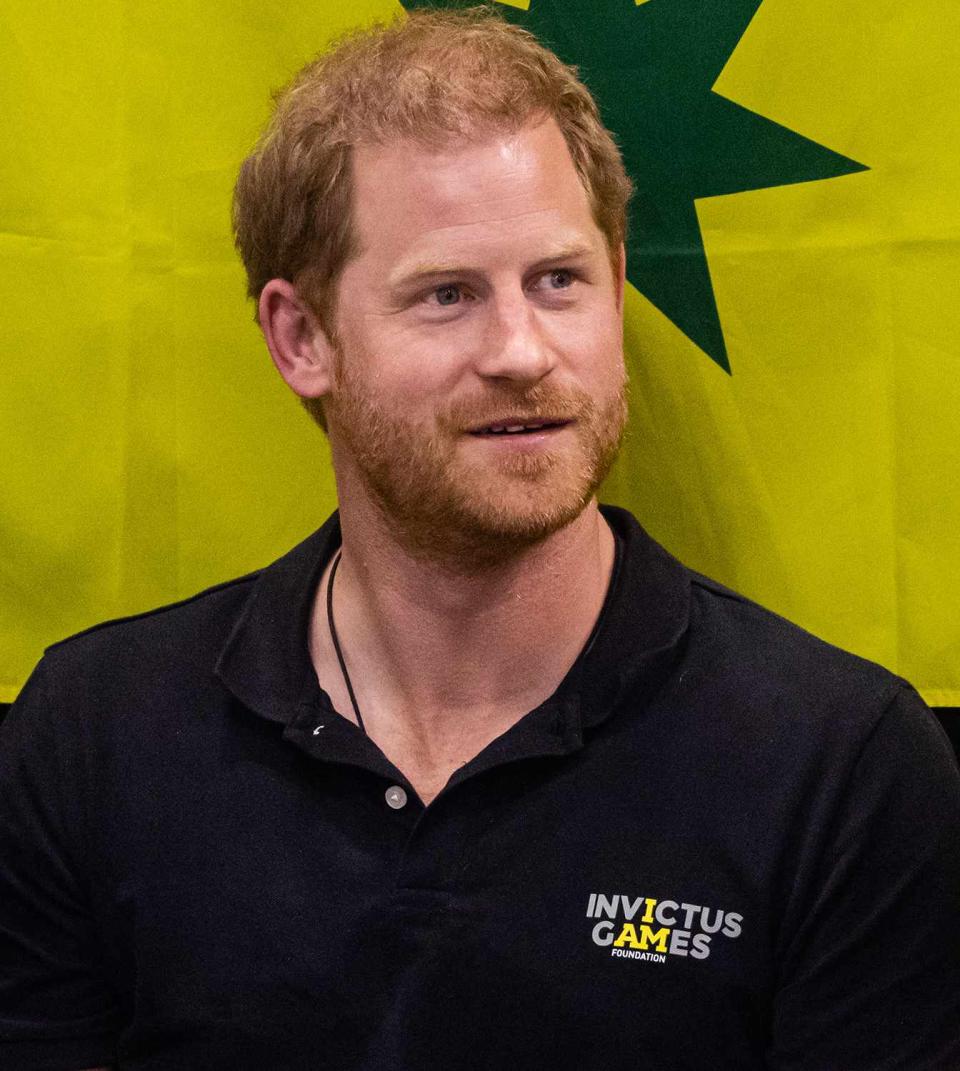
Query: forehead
{"x":519,"y":183}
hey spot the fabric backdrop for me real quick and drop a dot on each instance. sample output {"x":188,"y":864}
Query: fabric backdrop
{"x":793,"y":350}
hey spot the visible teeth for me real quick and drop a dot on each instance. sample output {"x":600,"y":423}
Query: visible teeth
{"x":513,"y":429}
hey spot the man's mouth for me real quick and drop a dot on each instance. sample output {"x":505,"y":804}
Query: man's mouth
{"x":519,"y":427}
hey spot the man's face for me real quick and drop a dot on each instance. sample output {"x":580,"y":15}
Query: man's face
{"x":483,"y":299}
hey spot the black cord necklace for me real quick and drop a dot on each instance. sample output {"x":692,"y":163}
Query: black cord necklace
{"x":336,"y":641}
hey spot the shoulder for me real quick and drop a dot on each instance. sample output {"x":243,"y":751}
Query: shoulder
{"x":186,"y":633}
{"x":189,"y":636}
{"x":737,"y":663}
{"x":142,"y":676}
{"x":780,"y":684}
{"x":161,"y":670}
{"x":736,"y":629}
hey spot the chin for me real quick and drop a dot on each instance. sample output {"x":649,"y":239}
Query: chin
{"x":528,"y":513}
{"x":483,"y":521}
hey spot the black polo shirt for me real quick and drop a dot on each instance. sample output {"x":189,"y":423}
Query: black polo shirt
{"x":720,"y":844}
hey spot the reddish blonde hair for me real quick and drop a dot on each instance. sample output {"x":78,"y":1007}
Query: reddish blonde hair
{"x":433,"y":77}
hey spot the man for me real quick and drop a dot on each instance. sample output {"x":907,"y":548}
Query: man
{"x":478,"y":776}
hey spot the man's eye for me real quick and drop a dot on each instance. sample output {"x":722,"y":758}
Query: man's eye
{"x":447,"y":295}
{"x":560,"y":278}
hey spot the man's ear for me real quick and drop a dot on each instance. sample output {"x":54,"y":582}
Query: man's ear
{"x":298,"y":345}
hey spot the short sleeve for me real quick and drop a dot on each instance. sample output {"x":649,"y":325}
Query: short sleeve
{"x":56,"y":1010}
{"x":871,"y":971}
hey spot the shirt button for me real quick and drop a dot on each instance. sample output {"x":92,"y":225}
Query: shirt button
{"x":396,"y":797}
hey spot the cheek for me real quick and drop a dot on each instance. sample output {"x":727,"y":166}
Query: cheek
{"x":394,"y":365}
{"x":594,"y":349}
{"x":421,"y":366}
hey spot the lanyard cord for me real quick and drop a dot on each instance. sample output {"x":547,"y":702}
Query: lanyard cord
{"x":336,"y":641}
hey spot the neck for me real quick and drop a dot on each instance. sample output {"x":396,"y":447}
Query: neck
{"x":442,"y":659}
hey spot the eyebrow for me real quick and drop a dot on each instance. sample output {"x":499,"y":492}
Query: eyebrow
{"x":418,"y":272}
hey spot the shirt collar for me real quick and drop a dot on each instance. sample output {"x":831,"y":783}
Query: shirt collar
{"x":640,"y":631}
{"x":266,"y":663}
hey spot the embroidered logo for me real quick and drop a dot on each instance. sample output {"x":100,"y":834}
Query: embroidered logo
{"x":647,"y":929}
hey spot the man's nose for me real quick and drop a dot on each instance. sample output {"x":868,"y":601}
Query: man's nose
{"x":516,"y":345}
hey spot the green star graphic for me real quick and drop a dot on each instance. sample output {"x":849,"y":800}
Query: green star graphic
{"x":651,"y":68}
